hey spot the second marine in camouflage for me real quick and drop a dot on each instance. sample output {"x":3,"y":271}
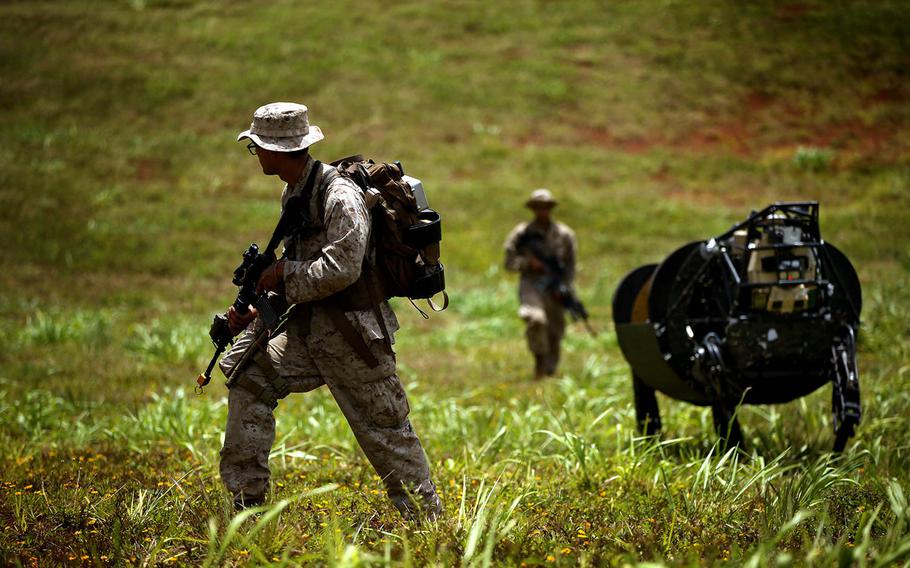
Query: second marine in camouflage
{"x":542,"y":311}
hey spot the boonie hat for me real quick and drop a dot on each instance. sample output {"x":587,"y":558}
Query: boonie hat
{"x":282,"y":127}
{"x":541,"y":197}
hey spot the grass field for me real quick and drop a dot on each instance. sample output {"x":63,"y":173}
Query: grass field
{"x":125,"y":202}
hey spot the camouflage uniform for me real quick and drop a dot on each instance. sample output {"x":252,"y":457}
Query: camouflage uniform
{"x":543,"y":314}
{"x":322,"y":261}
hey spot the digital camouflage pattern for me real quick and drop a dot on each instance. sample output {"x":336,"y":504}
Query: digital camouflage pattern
{"x":282,"y":127}
{"x":544,"y":315}
{"x":324,"y":259}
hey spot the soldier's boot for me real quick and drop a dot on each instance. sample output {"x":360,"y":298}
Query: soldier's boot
{"x":248,"y":439}
{"x":540,"y":366}
{"x":552,"y":359}
{"x":242,"y":502}
{"x":556,"y":330}
{"x":539,"y":345}
{"x":377,"y":413}
{"x":418,"y":504}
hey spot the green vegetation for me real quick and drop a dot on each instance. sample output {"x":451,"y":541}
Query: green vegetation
{"x":125,"y":202}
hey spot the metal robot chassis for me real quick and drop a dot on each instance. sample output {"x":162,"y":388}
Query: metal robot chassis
{"x":764,"y":313}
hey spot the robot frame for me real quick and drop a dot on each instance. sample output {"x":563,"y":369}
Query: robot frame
{"x":764,"y":313}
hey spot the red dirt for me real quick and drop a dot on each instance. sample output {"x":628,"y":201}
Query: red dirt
{"x":661,"y":175}
{"x":739,"y":133}
{"x":148,"y":169}
{"x":604,"y":138}
{"x":732,"y":136}
{"x":854,"y":140}
{"x":793,"y":11}
{"x":757,"y":101}
{"x":889,"y":95}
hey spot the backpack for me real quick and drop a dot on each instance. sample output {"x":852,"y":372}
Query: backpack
{"x":406,"y":234}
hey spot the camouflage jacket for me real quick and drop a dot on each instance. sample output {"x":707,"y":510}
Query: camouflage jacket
{"x":322,"y":259}
{"x":559,"y":241}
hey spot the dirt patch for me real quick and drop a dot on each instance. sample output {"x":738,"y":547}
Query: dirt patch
{"x":602,"y":137}
{"x":889,"y":95}
{"x":855,"y":142}
{"x":746,"y":133}
{"x":732,"y":136}
{"x":757,"y":101}
{"x":738,"y":137}
{"x":793,"y":11}
{"x":150,"y":169}
{"x":662,"y":174}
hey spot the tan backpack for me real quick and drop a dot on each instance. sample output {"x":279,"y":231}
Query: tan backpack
{"x":406,"y":236}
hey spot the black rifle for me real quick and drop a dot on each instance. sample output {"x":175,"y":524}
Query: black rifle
{"x":554,"y":278}
{"x":247,"y":275}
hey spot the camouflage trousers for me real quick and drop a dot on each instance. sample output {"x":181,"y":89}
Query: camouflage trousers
{"x":376,"y":409}
{"x":545,"y":325}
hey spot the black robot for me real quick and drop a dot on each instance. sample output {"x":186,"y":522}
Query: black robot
{"x":765,"y":313}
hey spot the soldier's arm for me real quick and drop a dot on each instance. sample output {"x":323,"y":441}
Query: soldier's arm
{"x":339,"y":263}
{"x":515,"y":261}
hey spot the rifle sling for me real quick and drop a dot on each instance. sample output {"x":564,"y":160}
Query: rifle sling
{"x":350,"y":334}
{"x":276,"y":387}
{"x":293,"y":210}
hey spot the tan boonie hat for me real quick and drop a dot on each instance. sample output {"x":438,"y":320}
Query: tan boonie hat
{"x":282,"y":127}
{"x":540,"y":197}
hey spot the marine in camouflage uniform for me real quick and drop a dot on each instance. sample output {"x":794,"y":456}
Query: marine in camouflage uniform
{"x":542,"y":312}
{"x":320,"y":260}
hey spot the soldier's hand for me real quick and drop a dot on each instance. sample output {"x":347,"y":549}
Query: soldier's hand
{"x":536,"y":265}
{"x":238,"y":322}
{"x":272,"y":279}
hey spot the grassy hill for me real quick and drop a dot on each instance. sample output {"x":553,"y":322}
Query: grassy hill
{"x":125,"y":202}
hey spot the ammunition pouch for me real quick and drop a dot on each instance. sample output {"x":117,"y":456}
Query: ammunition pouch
{"x":430,"y":283}
{"x":275,"y":387}
{"x":269,"y":394}
{"x":426,"y":232}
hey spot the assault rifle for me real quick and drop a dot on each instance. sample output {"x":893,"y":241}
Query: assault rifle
{"x":554,"y":278}
{"x":247,"y":275}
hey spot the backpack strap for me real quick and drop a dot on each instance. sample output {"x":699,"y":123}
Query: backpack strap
{"x":372,"y":280}
{"x":323,"y":190}
{"x":294,"y":213}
